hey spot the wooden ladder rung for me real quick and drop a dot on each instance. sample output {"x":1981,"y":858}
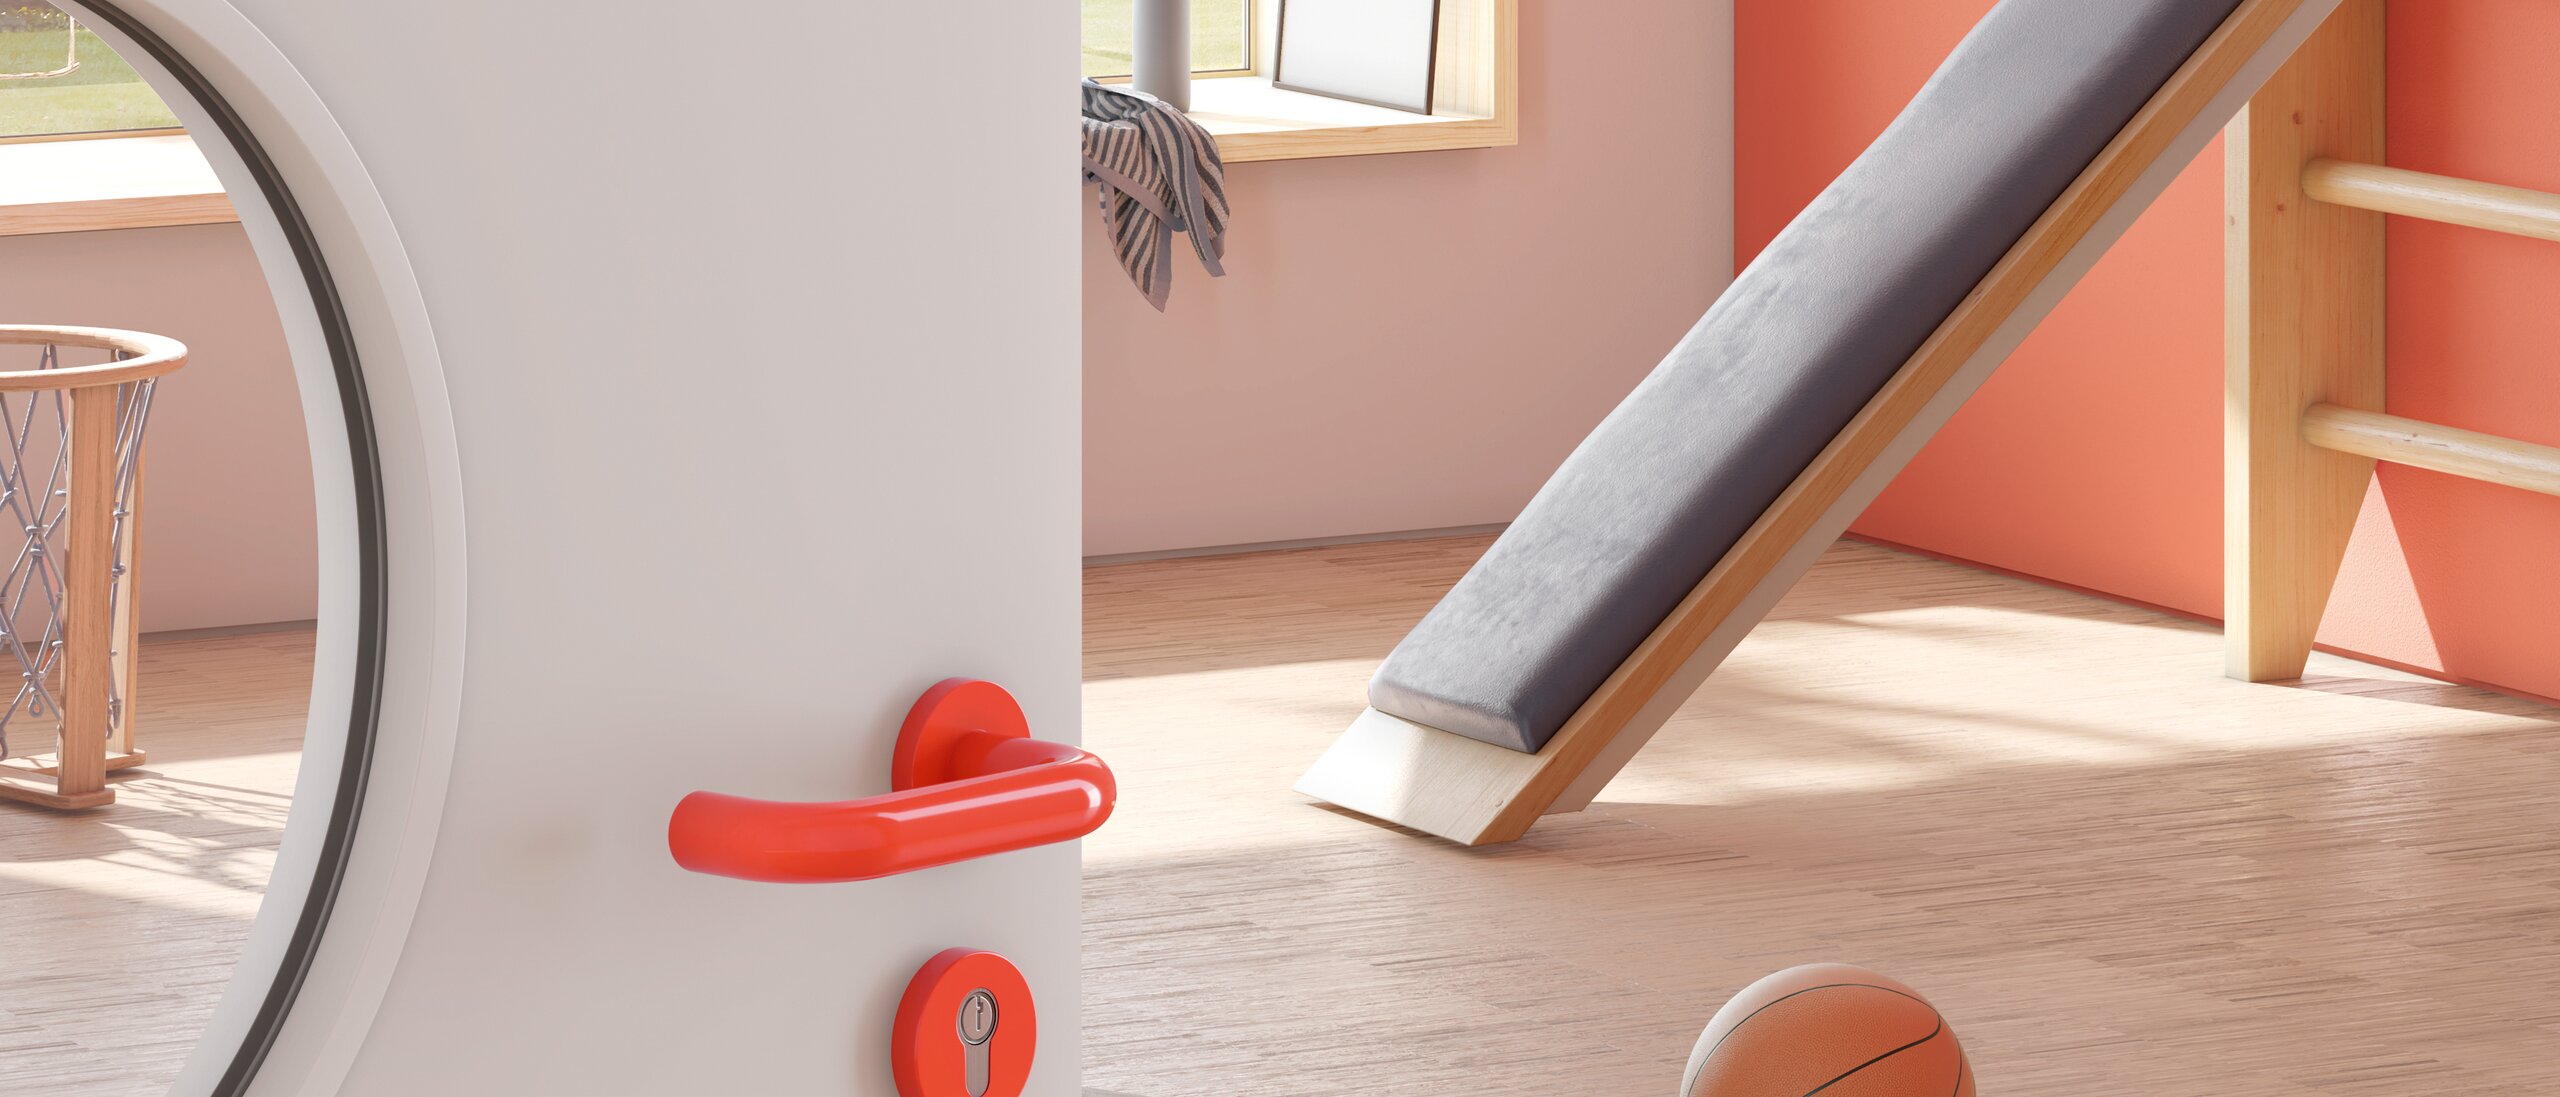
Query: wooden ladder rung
{"x":2478,"y":205}
{"x":2448,"y":450}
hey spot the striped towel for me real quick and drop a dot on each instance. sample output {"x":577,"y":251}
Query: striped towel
{"x":1160,"y":175}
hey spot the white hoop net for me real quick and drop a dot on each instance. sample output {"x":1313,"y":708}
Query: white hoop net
{"x":35,"y":496}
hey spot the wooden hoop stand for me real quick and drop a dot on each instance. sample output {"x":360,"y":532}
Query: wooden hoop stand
{"x":98,"y":629}
{"x":2303,"y":408}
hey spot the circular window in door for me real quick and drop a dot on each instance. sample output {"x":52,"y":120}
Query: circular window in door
{"x":200,"y":492}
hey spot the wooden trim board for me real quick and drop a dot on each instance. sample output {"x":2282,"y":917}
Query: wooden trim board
{"x":95,"y":135}
{"x":1475,"y":793}
{"x":2303,"y":308}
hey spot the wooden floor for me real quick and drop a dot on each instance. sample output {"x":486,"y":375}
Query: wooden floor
{"x":2116,"y":871}
{"x":172,"y":873}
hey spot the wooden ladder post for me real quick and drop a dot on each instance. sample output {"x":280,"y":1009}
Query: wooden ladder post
{"x":2303,"y":326}
{"x":87,"y":577}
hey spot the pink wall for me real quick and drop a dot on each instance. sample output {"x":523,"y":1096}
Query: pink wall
{"x":228,"y":537}
{"x":1414,"y":341}
{"x":2094,"y":456}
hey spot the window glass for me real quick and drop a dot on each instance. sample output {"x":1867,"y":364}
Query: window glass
{"x":98,"y":93}
{"x":1221,"y":36}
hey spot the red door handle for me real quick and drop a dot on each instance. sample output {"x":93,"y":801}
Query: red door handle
{"x":971,"y":782}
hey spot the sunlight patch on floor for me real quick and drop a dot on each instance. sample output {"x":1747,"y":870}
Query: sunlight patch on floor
{"x":1786,"y":716}
{"x":2120,"y":871}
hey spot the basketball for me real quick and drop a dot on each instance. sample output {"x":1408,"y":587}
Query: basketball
{"x":1843,"y":1031}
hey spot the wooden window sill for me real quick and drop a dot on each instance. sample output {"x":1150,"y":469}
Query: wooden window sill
{"x":1255,"y":121}
{"x":110,"y":183}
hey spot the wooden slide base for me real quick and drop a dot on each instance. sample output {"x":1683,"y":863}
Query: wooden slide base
{"x":1422,"y":777}
{"x":1476,"y":793}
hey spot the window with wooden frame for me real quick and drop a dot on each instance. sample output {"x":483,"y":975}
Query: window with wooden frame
{"x":1475,"y":101}
{"x":61,"y":88}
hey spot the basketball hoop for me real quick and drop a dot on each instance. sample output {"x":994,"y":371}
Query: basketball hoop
{"x":71,"y":482}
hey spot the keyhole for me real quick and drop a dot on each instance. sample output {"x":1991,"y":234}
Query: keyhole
{"x":978,"y":1017}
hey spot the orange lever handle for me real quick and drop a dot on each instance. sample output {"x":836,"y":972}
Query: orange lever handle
{"x":970,"y":782}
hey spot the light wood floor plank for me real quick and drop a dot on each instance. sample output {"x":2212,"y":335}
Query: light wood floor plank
{"x":2118,"y":871}
{"x":165,"y":881}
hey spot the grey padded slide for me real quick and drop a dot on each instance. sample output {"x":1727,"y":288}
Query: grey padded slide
{"x":1671,"y":480}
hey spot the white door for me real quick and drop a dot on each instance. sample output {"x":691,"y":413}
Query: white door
{"x":757,"y":334}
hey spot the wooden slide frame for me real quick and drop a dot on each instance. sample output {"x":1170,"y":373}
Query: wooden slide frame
{"x":2303,"y":418}
{"x":1476,"y":793}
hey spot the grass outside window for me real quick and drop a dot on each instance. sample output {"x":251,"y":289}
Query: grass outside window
{"x":1221,"y":36}
{"x":104,"y":94}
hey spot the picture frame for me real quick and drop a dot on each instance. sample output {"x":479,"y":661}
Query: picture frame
{"x":1384,"y":53}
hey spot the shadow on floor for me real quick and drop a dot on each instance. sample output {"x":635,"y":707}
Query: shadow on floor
{"x":2115,"y":870}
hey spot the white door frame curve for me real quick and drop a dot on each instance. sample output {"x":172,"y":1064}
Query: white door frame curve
{"x":387,"y":684}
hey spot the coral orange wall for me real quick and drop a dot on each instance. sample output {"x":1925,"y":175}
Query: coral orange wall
{"x":2093,"y":458}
